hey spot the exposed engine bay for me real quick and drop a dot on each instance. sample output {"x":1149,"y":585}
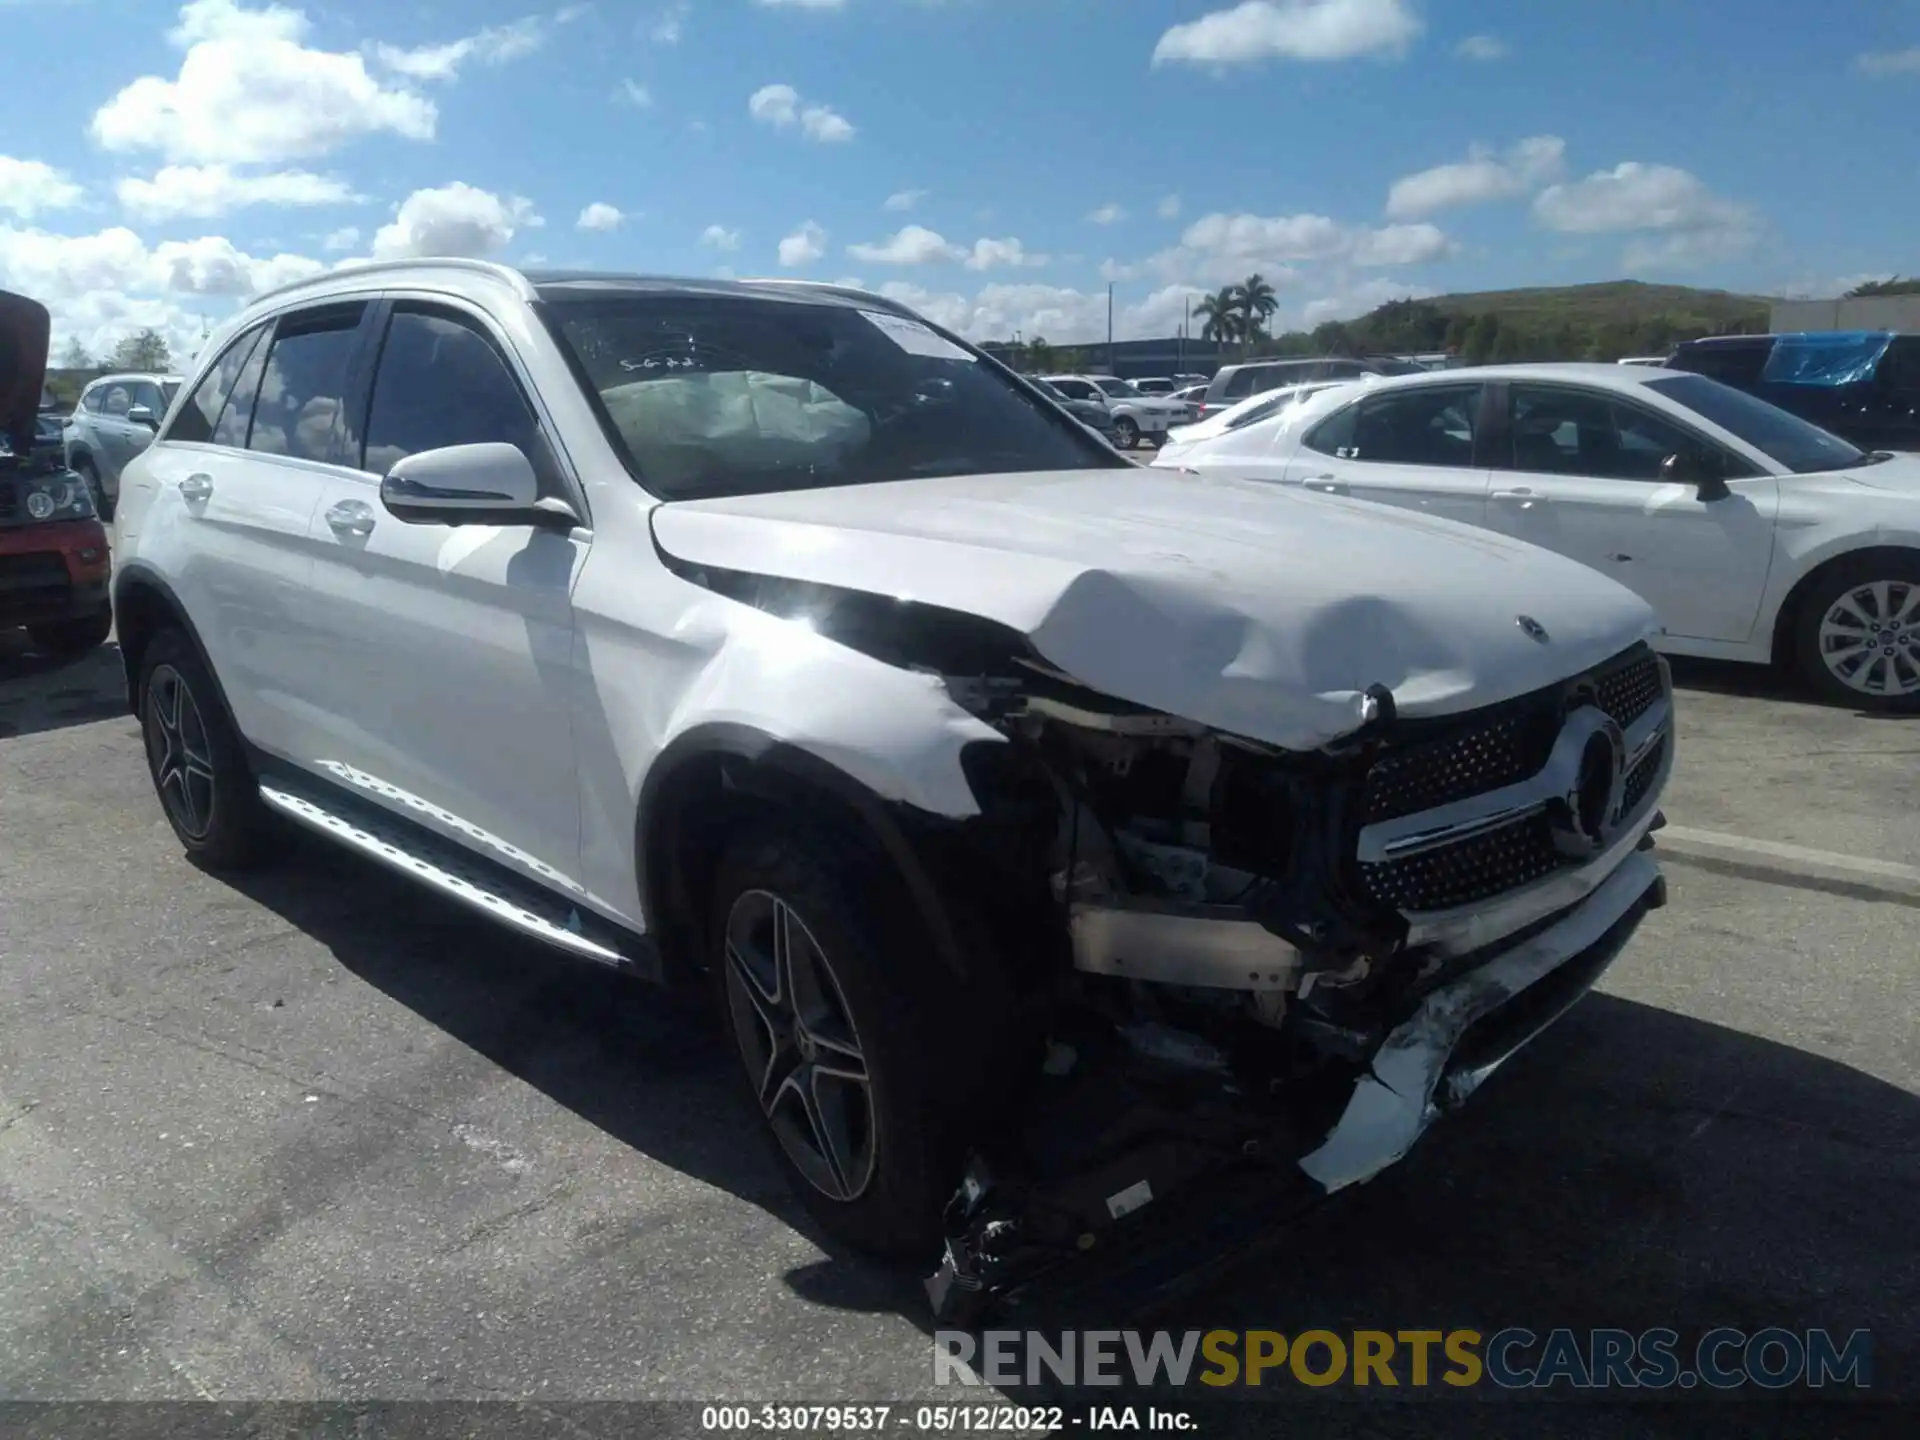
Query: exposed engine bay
{"x":1234,"y":955}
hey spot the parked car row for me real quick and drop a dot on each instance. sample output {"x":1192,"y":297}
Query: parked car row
{"x":1135,"y":416}
{"x":1755,"y":535}
{"x":1048,"y":830}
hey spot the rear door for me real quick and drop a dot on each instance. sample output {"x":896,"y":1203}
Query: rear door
{"x":1415,"y":447}
{"x":1578,"y":471}
{"x":450,"y":646}
{"x":244,"y":497}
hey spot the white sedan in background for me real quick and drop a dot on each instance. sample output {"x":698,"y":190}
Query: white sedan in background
{"x":1756,"y":536}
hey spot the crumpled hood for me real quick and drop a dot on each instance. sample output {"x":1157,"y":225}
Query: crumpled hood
{"x":1256,"y":610}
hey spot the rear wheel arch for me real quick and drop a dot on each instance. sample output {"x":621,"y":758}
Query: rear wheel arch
{"x":714,"y":779}
{"x":1786,"y":621}
{"x":143,"y":606}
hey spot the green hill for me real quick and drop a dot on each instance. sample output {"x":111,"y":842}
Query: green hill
{"x":1616,"y":302}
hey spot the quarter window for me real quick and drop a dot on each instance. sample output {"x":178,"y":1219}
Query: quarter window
{"x":1426,"y":425}
{"x":202,"y":411}
{"x":441,"y":382}
{"x":300,"y":410}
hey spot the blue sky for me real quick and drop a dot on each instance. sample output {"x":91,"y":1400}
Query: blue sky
{"x":996,"y":162}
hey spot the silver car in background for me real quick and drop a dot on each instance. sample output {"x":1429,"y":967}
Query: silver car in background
{"x":115,"y":419}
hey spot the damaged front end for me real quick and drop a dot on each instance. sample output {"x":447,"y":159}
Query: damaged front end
{"x":1236,"y":955}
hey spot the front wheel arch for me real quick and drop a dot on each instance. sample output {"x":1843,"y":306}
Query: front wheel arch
{"x":1786,"y":622}
{"x":716,"y":778}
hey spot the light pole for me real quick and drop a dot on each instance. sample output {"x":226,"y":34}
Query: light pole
{"x":1019,"y":360}
{"x":1110,"y":361}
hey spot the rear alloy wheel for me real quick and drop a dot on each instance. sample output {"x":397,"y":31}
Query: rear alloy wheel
{"x":199,"y":768}
{"x":1126,"y":433}
{"x":65,"y":639}
{"x":1859,"y":640}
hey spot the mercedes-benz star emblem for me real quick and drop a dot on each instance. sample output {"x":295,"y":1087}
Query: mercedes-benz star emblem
{"x":1532,"y":628}
{"x":1587,"y":817}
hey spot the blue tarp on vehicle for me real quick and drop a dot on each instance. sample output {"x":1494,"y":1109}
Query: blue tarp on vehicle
{"x":1826,"y":358}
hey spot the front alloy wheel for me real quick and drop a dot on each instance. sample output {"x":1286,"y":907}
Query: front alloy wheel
{"x":797,"y":1037}
{"x":1126,"y":434}
{"x":180,"y":753}
{"x":1869,"y":640}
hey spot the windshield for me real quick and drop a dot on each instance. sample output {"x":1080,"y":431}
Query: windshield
{"x":709,"y":395}
{"x":1787,"y":439}
{"x":1119,"y":389}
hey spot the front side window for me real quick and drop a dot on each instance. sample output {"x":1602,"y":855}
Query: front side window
{"x":1426,"y":425}
{"x":441,"y":382}
{"x":148,"y":394}
{"x":1555,"y":430}
{"x":1786,"y":439}
{"x":119,"y":400}
{"x":202,"y":411}
{"x":708,"y":395}
{"x":300,"y":410}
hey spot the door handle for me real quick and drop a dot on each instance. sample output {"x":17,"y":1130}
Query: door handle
{"x":351,"y":517}
{"x":1526,"y":499}
{"x":1326,"y":484}
{"x":196,"y":487}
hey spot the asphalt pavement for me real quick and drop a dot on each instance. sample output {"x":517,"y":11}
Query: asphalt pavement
{"x":317,"y":1135}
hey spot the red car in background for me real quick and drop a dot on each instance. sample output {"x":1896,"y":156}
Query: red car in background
{"x":54,"y":558}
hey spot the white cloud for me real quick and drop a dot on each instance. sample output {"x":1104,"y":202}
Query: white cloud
{"x":780,"y":106}
{"x":249,"y":91}
{"x":1292,"y":30}
{"x":1059,"y":314}
{"x":1890,"y":62}
{"x":600,"y":216}
{"x":345,"y":238}
{"x":493,"y":45}
{"x":455,"y":219}
{"x":1168,"y":208}
{"x":1482,"y":47}
{"x":904,"y":199}
{"x":1108,"y":214}
{"x":1350,"y":302}
{"x":989,"y":254}
{"x":911,"y":245}
{"x":204,"y":191}
{"x":1682,"y":223}
{"x":632,"y":92}
{"x":1635,"y":196}
{"x":803,"y":246}
{"x":1400,"y":245}
{"x":29,"y":187}
{"x":719,"y":237}
{"x":1480,"y":178}
{"x":213,"y":265}
{"x":668,"y":25}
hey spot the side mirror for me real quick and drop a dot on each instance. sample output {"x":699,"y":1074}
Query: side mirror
{"x":143,"y":415}
{"x":490,"y":484}
{"x":1698,"y":469}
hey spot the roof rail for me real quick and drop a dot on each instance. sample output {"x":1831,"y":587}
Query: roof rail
{"x":490,"y":268}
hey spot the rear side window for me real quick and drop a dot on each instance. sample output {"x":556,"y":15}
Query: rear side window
{"x":301,"y":410}
{"x":1240,"y":384}
{"x":94,"y":400}
{"x":1430,"y":425}
{"x":441,"y":382}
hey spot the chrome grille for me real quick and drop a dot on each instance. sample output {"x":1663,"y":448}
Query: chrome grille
{"x":1411,"y":863}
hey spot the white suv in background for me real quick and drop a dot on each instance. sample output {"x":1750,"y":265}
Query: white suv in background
{"x":763,"y":637}
{"x":113,"y":421}
{"x":1134,"y":415}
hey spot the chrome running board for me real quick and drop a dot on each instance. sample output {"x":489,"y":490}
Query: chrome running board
{"x":401,"y":847}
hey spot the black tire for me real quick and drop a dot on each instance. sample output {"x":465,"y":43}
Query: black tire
{"x":67,"y":638}
{"x":903,"y":1014}
{"x":1126,"y":434}
{"x":1889,"y":681}
{"x":199,"y":767}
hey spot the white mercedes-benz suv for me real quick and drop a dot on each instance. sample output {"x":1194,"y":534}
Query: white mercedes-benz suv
{"x":1050,"y":831}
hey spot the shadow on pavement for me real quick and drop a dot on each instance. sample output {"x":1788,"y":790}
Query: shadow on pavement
{"x":39,"y":692}
{"x":1634,"y":1168}
{"x":1756,"y":682}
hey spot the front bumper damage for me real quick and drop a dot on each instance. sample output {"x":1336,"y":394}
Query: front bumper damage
{"x":1155,"y":1120}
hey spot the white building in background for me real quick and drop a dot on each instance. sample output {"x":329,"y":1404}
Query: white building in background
{"x":1868,"y":312}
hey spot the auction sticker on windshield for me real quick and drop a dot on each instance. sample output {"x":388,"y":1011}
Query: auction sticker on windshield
{"x":913,"y":337}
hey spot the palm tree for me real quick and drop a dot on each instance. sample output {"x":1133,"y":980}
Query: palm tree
{"x":1256,"y":302}
{"x":1219,"y":315}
